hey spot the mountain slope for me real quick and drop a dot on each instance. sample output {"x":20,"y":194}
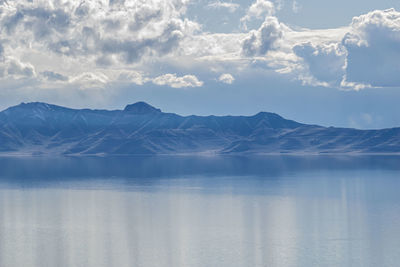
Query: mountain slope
{"x":40,"y":128}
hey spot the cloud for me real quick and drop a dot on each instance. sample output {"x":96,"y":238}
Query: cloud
{"x":178,"y":82}
{"x":373,"y":49}
{"x":12,"y":67}
{"x":231,"y":7}
{"x":99,"y":43}
{"x":296,"y":7}
{"x":54,"y":76}
{"x":93,"y":38}
{"x":90,"y":80}
{"x":226,"y":78}
{"x":324,"y":62}
{"x":258,"y":10}
{"x":93,"y":43}
{"x":126,"y":30}
{"x":147,"y":15}
{"x":260,"y":41}
{"x":367,"y":55}
{"x":1,"y":51}
{"x":132,"y":77}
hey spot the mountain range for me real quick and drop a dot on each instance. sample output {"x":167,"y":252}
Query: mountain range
{"x":141,"y":129}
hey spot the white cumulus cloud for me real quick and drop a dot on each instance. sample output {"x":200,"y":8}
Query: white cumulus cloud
{"x":368,"y":54}
{"x":262,"y":40}
{"x":373,"y":49}
{"x":90,"y":34}
{"x":231,"y":7}
{"x":258,"y":10}
{"x":90,"y":80}
{"x":130,"y":76}
{"x":177,"y":82}
{"x":324,"y":62}
{"x":95,"y":43}
{"x":13,"y":67}
{"x":226,"y":78}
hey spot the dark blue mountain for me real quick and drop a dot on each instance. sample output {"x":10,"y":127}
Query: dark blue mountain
{"x":40,"y":128}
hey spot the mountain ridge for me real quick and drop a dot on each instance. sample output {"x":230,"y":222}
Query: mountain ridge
{"x":140,"y":129}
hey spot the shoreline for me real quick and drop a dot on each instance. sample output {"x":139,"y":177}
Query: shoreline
{"x":192,"y":154}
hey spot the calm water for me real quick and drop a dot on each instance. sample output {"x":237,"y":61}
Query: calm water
{"x":200,"y":211}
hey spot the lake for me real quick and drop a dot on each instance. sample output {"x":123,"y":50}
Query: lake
{"x":200,"y":211}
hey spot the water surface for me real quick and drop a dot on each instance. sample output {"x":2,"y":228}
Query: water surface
{"x":200,"y":211}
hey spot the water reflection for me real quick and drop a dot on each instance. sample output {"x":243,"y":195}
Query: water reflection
{"x":274,"y":211}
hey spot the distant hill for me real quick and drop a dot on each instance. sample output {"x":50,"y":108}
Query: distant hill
{"x":140,"y":129}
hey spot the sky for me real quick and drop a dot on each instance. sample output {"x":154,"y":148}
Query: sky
{"x":332,"y":63}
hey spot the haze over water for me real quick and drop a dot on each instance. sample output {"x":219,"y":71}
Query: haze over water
{"x":200,"y":211}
